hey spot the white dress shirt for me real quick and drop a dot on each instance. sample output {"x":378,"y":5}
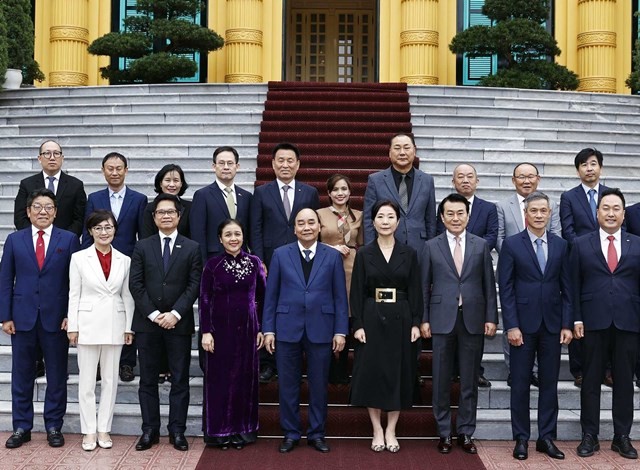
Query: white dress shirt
{"x":153,"y":315}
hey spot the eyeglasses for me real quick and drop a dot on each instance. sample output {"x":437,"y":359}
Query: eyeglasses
{"x":48,"y":208}
{"x":223,"y":164}
{"x":169,"y":212}
{"x":103,"y":228}
{"x":55,"y":154}
{"x":526,"y":177}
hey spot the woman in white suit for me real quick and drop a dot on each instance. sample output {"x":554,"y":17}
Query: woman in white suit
{"x":100,"y":315}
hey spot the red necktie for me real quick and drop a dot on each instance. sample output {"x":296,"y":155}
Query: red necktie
{"x":612,"y":254}
{"x":40,"y":249}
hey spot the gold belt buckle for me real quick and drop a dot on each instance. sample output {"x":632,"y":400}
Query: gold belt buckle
{"x":386,"y":295}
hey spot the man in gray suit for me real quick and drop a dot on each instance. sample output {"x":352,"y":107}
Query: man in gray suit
{"x":413,"y":191}
{"x":511,"y":221}
{"x":460,"y":307}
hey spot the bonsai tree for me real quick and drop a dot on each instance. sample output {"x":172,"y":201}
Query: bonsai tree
{"x":3,"y":46}
{"x":156,"y":41}
{"x":20,"y":39}
{"x":524,"y":48}
{"x":633,"y":81}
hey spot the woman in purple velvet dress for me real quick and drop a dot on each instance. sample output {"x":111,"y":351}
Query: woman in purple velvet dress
{"x":231,"y":299}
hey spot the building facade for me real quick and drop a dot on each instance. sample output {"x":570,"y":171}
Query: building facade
{"x":342,"y":40}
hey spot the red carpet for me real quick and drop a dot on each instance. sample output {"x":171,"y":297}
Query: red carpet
{"x":346,"y":454}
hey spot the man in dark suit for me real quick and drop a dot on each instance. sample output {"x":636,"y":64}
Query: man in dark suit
{"x":578,"y":217}
{"x":273,"y":211}
{"x":305,"y":310}
{"x":606,"y":293}
{"x":483,"y":222}
{"x":221,"y":200}
{"x":165,"y":283}
{"x":34,"y":286}
{"x":128,"y":207}
{"x":413,"y":191}
{"x":533,"y":276}
{"x":459,"y":308}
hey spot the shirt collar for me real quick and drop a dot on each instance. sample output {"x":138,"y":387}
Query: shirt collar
{"x":56,"y":176}
{"x":312,"y":248}
{"x":222,"y":186}
{"x":533,"y":237}
{"x":587,"y":189}
{"x":47,"y":231}
{"x":471,"y":199}
{"x":173,"y":236}
{"x":603,"y":235}
{"x":520,"y":198}
{"x":452,"y":238}
{"x":292,"y":184}
{"x":121,"y":192}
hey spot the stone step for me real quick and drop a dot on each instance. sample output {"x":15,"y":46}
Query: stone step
{"x":240,"y":117}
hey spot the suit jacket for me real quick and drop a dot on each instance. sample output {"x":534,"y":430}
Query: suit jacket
{"x":318,"y":307}
{"x":442,"y":286}
{"x":129,"y":220}
{"x":528,"y":296}
{"x":510,"y":221}
{"x":575,"y":213}
{"x":28,"y":292}
{"x":70,"y":199}
{"x":208,"y":210}
{"x":149,"y":226}
{"x":632,"y":219}
{"x":418,"y":223}
{"x":602,"y":298}
{"x":483,"y":221}
{"x":270,"y":227}
{"x":153,"y":289}
{"x":100,"y":310}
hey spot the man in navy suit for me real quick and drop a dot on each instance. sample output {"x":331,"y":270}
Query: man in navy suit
{"x":534,"y":281}
{"x":273,"y":211}
{"x":578,"y":217}
{"x":306,"y":310}
{"x":413,"y":191}
{"x":34,"y":286}
{"x":606,"y":301}
{"x":128,"y":207}
{"x":221,"y":200}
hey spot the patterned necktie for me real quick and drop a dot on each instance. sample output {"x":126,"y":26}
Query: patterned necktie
{"x":285,"y":201}
{"x":593,"y":204}
{"x":403,"y":193}
{"x":307,"y":255}
{"x":612,"y":254}
{"x":166,"y":253}
{"x":40,"y":249}
{"x":457,"y":260}
{"x":231,"y":203}
{"x":540,"y":255}
{"x":51,"y":187}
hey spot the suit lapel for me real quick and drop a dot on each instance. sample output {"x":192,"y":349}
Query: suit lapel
{"x":397,"y":259}
{"x":516,"y":212}
{"x":274,"y":191}
{"x":470,"y":247}
{"x":418,"y":182}
{"x":62,"y":185}
{"x":528,"y":247}
{"x":443,"y":244}
{"x":156,"y":250}
{"x":96,"y":267}
{"x":296,"y":262}
{"x":475,"y":213}
{"x":126,"y":203}
{"x":217,"y":196}
{"x":584,"y":204}
{"x":391,"y":187}
{"x":594,"y":239}
{"x":625,"y":245}
{"x":28,"y":243}
{"x":242,"y":203}
{"x":318,"y":260}
{"x":175,"y":254}
{"x":51,"y":249}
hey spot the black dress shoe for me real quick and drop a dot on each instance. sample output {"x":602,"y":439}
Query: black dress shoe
{"x":179,"y":441}
{"x":548,"y":447}
{"x":534,"y":380}
{"x":40,"y":371}
{"x":221,"y":442}
{"x":521,"y":449}
{"x":445,"y":445}
{"x":237,"y":442}
{"x":319,"y":444}
{"x":55,"y":438}
{"x":19,"y":437}
{"x":148,"y":439}
{"x":588,"y":445}
{"x":608,"y":380}
{"x":578,"y":381}
{"x":287,"y":445}
{"x":464,"y":441}
{"x":267,"y":375}
{"x":622,"y":445}
{"x":483,"y":382}
{"x":126,"y":373}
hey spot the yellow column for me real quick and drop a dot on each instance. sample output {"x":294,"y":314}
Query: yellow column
{"x":597,"y":45}
{"x":69,"y":38}
{"x":419,"y":38}
{"x":243,"y":41}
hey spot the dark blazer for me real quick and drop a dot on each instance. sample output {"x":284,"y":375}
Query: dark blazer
{"x":149,"y":227}
{"x":575,"y":213}
{"x":129,"y":220}
{"x":418,"y":224}
{"x":602,"y":298}
{"x":70,"y":199}
{"x":270,"y":228}
{"x":153,"y":289}
{"x":208,"y":210}
{"x":529,"y":297}
{"x":632,"y":219}
{"x":483,"y":221}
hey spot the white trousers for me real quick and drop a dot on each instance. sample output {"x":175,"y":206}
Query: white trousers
{"x":108,"y":356}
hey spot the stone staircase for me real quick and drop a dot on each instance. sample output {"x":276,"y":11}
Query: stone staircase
{"x":154,"y":125}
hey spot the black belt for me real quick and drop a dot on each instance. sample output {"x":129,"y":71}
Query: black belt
{"x":387,"y":294}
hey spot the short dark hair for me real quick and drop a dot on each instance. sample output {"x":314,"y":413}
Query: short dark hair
{"x":535,"y":196}
{"x":226,"y":222}
{"x":117,"y":155}
{"x":385,"y":202}
{"x":167,"y":197}
{"x":402,"y":134}
{"x":168,"y":169}
{"x":99,"y":216}
{"x":41,"y":192}
{"x":525,"y":163}
{"x":46,"y":142}
{"x":584,"y":154}
{"x":611,"y":192}
{"x":453,"y":197}
{"x":225,"y":148}
{"x":285,"y":146}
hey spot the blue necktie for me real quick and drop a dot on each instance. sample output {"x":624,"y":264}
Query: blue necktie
{"x":307,"y":254}
{"x":540,"y":255}
{"x":593,"y":204}
{"x":51,"y":187}
{"x":166,"y":253}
